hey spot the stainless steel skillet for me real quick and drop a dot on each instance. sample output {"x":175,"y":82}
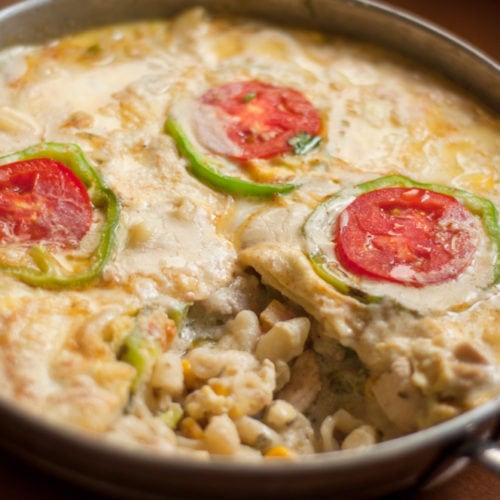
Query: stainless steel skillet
{"x":416,"y":459}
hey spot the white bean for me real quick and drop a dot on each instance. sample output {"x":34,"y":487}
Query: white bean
{"x":221,"y":436}
{"x":362,"y":436}
{"x":256,"y":434}
{"x":280,"y":414}
{"x":168,"y":374}
{"x":285,"y":340}
{"x":242,"y":332}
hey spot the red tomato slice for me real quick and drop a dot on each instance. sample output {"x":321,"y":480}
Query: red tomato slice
{"x":406,"y":235}
{"x":258,"y":118}
{"x":42,"y":200}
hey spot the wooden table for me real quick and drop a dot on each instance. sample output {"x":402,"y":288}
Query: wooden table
{"x":475,"y":21}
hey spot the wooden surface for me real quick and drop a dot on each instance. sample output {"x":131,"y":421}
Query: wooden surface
{"x":476,"y":21}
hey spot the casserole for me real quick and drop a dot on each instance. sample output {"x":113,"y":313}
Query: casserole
{"x":472,"y":84}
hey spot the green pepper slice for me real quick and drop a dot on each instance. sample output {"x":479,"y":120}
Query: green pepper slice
{"x":143,"y":344}
{"x":48,"y":273}
{"x":201,"y":168}
{"x":141,"y":353}
{"x":327,"y":212}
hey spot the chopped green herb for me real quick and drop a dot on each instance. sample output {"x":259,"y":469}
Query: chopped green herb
{"x":303,"y":142}
{"x":248,"y":97}
{"x":178,"y":315}
{"x":140,"y":348}
{"x":93,"y":50}
{"x":348,"y":382}
{"x":173,"y":415}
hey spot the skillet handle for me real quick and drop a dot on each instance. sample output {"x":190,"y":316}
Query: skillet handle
{"x":487,"y":453}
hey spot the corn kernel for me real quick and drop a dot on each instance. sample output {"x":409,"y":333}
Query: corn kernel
{"x":235,"y":413}
{"x":138,"y":235}
{"x":191,"y":429}
{"x":219,"y":388}
{"x":279,"y":452}
{"x":190,"y":379}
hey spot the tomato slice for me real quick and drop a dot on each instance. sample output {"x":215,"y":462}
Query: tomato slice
{"x":405,"y":235}
{"x":42,"y":200}
{"x":257,"y":118}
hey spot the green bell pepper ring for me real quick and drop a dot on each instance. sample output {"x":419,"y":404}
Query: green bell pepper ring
{"x":481,"y":207}
{"x":201,"y":168}
{"x":141,"y":348}
{"x":303,"y":143}
{"x":48,"y":273}
{"x":320,"y":267}
{"x":141,"y":353}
